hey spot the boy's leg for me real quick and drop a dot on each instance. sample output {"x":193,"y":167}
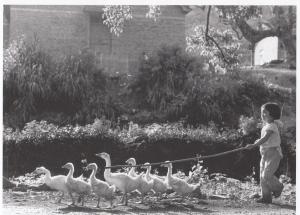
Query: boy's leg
{"x":272,"y":161}
{"x":265,"y":190}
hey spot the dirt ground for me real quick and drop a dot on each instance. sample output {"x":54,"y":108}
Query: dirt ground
{"x":45,"y":202}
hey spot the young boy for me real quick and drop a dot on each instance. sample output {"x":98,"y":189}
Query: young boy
{"x":270,"y":151}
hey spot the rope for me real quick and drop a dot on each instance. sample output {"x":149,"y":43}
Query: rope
{"x":180,"y":160}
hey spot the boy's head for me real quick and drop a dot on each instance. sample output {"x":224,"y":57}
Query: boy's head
{"x":273,"y":109}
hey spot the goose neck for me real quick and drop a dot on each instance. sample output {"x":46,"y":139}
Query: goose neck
{"x":93,"y":173}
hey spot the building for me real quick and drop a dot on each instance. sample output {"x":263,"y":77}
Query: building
{"x":66,"y":29}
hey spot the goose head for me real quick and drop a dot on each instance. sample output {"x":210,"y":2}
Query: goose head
{"x":146,"y":167}
{"x":40,"y":170}
{"x":68,"y":166}
{"x":91,"y":166}
{"x":103,"y":155}
{"x":131,"y":161}
{"x":167,"y":164}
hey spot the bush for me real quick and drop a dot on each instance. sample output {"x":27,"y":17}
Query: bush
{"x":26,"y":79}
{"x":70,"y":90}
{"x":162,"y":79}
{"x":173,"y":86}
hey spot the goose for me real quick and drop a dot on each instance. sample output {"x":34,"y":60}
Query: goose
{"x":57,"y":182}
{"x":122,"y":181}
{"x":180,"y":186}
{"x":144,"y":185}
{"x":76,"y":185}
{"x":160,"y":185}
{"x":99,"y":187}
{"x":132,"y":161}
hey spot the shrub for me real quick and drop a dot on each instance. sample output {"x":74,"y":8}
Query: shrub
{"x":161,"y":81}
{"x":69,"y":90}
{"x":247,"y":124}
{"x":173,"y":86}
{"x":26,"y":78}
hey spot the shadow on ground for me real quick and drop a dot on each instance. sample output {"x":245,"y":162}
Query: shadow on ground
{"x":285,"y":206}
{"x":70,"y":209}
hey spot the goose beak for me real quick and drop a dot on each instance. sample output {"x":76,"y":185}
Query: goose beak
{"x":64,"y":166}
{"x":99,"y":155}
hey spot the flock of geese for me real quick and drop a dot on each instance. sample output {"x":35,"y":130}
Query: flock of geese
{"x":125,"y":182}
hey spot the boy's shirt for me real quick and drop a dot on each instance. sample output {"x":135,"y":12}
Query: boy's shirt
{"x":274,"y":139}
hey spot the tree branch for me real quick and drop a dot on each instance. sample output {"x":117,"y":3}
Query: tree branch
{"x":234,"y":28}
{"x":207,"y":37}
{"x":207,"y":22}
{"x":253,"y":35}
{"x":220,"y":49}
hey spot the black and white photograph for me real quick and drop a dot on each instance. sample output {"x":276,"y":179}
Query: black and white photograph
{"x":149,"y":108}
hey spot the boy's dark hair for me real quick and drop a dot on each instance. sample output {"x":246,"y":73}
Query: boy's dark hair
{"x":273,"y":109}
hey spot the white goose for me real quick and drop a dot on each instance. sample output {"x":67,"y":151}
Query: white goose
{"x":99,"y":187}
{"x":160,"y":185}
{"x":76,"y":185}
{"x":57,"y":182}
{"x":180,"y":186}
{"x":122,"y":181}
{"x":144,"y":185}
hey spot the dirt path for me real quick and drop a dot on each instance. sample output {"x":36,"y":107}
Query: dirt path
{"x":43,"y":203}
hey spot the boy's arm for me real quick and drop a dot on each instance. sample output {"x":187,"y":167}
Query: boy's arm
{"x":260,"y":141}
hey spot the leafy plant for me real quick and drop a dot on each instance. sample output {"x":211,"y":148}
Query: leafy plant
{"x":69,"y":90}
{"x":161,"y":81}
{"x":247,"y":124}
{"x":26,"y":76}
{"x":228,"y":42}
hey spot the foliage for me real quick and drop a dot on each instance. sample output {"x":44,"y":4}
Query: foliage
{"x":247,"y":124}
{"x":115,"y":16}
{"x":233,"y":13}
{"x":70,"y":90}
{"x":26,"y":80}
{"x":220,"y":184}
{"x":154,"y":12}
{"x":227,"y":41}
{"x":174,"y":86}
{"x":35,"y":131}
{"x":162,"y":78}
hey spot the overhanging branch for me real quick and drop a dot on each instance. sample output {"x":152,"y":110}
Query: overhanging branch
{"x":207,"y":37}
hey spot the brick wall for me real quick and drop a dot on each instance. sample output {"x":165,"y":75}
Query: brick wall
{"x":65,"y":29}
{"x":121,"y":54}
{"x":61,"y":29}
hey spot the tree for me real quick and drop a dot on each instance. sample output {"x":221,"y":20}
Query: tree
{"x":281,"y":24}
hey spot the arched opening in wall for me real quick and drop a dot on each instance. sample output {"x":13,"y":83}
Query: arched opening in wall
{"x":266,"y":50}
